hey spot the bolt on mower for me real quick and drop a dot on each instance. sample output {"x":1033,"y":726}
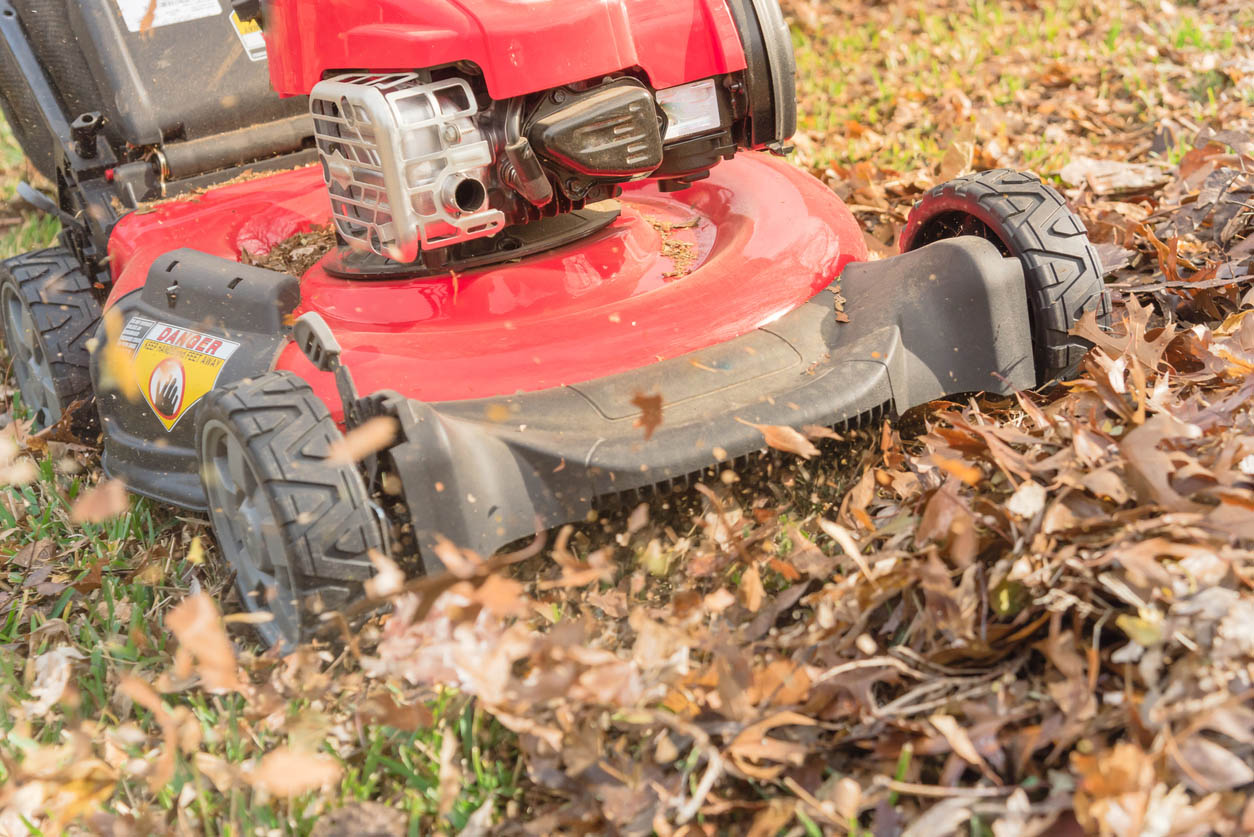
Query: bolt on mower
{"x":509,"y":223}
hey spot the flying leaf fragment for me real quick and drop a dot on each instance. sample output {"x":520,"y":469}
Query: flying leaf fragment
{"x":106,"y":500}
{"x":285,"y":772}
{"x":1146,"y":632}
{"x":970,"y":474}
{"x":1028,"y":500}
{"x":650,"y":417}
{"x":388,"y":578}
{"x":117,"y":366}
{"x":52,"y":676}
{"x":144,"y":695}
{"x":367,"y":438}
{"x":450,"y":774}
{"x":782,"y":437}
{"x":751,"y":591}
{"x":198,"y":625}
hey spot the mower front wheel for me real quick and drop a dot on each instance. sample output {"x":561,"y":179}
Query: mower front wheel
{"x":295,"y":524}
{"x":50,"y":313}
{"x":1028,"y":220}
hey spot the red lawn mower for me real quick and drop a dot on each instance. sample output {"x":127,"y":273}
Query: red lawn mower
{"x":540,"y":210}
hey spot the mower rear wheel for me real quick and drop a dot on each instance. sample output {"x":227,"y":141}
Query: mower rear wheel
{"x":50,"y":313}
{"x":294,"y":524}
{"x":1029,"y":220}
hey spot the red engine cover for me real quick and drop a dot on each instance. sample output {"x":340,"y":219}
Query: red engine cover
{"x":522,"y":46}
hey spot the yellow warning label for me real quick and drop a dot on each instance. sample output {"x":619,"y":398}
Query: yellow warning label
{"x":249,"y":32}
{"x":176,"y":367}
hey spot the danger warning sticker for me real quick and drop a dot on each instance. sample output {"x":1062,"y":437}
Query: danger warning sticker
{"x":142,"y":15}
{"x":176,"y":367}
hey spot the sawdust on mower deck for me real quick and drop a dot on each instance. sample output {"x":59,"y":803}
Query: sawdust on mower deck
{"x":683,"y":254}
{"x":296,"y":254}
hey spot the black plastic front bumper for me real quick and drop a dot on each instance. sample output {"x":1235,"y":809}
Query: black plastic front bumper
{"x":949,"y":318}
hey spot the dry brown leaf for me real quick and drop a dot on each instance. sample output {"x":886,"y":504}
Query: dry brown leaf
{"x":383,"y":708}
{"x":284,"y":772}
{"x":650,"y":417}
{"x":751,"y":591}
{"x":784,"y":438}
{"x":52,"y":671}
{"x":106,"y":500}
{"x":957,"y":737}
{"x":388,"y":579}
{"x":366,"y":439}
{"x":450,"y":773}
{"x":144,"y":695}
{"x":197,"y":624}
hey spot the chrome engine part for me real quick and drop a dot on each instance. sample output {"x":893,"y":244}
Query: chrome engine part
{"x":405,"y":162}
{"x":425,"y":166}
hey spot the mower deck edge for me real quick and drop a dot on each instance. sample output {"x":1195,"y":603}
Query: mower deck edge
{"x":948,"y":318}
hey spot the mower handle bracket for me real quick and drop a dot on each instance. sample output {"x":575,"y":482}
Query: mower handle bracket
{"x":317,"y":342}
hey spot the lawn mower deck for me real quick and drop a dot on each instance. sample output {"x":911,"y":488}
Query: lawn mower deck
{"x":514,"y":384}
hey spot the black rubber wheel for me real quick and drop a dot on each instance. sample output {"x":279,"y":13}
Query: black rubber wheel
{"x":50,"y":312}
{"x":295,"y":526}
{"x":1031,"y":221}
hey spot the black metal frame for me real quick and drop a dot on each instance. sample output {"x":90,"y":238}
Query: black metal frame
{"x":96,"y":188}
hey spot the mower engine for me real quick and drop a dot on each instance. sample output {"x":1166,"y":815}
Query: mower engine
{"x":425,"y":159}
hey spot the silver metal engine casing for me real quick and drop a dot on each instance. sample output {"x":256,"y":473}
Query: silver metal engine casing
{"x":405,"y":164}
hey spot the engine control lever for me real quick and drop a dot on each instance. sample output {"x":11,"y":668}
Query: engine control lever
{"x":524,"y":174}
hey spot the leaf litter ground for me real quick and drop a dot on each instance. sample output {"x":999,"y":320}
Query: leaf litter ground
{"x":1005,"y":616}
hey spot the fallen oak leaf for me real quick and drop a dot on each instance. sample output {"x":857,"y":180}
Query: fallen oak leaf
{"x":782,"y":437}
{"x":961,"y":743}
{"x":752,"y":744}
{"x":367,"y":438}
{"x":650,"y":407}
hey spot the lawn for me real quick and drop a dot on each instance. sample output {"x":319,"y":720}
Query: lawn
{"x":1001,"y":616}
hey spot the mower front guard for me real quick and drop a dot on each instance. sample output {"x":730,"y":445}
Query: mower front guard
{"x":948,"y":318}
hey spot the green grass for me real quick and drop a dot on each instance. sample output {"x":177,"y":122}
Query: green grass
{"x":858,"y":73}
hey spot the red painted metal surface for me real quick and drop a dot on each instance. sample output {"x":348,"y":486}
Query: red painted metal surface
{"x":522,"y":47}
{"x":676,"y":272}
